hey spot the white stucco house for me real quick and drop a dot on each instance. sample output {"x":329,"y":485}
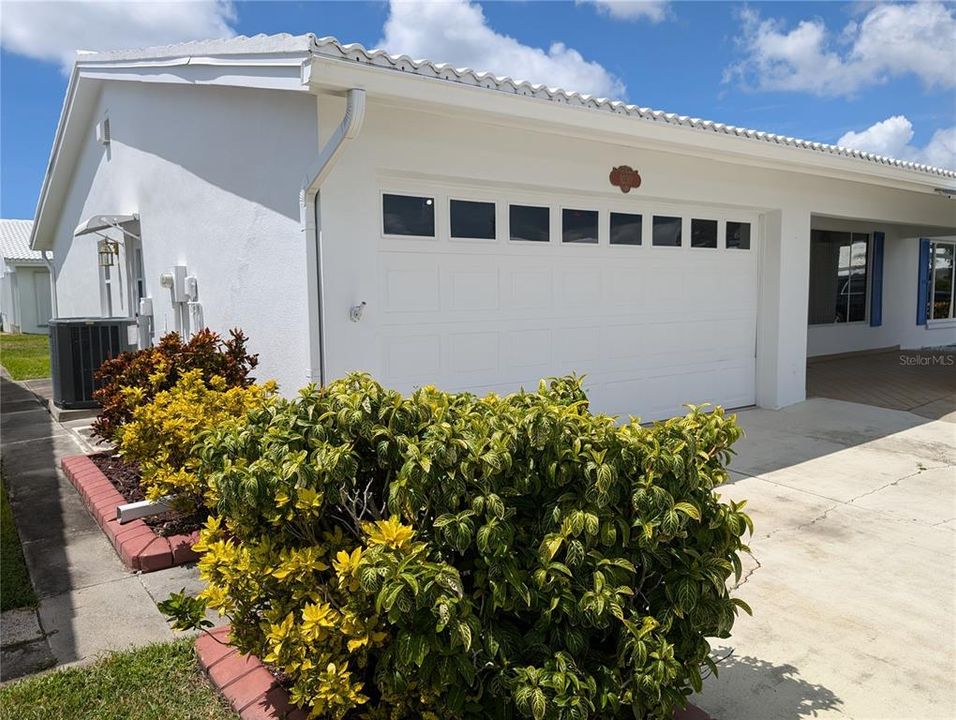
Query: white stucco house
{"x":355,"y":210}
{"x":25,"y":299}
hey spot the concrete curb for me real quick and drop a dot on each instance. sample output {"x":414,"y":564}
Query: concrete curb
{"x":255,"y":694}
{"x":135,"y":542}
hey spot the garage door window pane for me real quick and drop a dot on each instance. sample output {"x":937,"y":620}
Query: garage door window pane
{"x":667,"y":231}
{"x":738,"y":235}
{"x":579,"y":226}
{"x":473,"y":219}
{"x":408,"y":215}
{"x":626,"y":229}
{"x":530,"y":223}
{"x":703,"y":233}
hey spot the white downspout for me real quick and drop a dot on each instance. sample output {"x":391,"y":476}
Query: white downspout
{"x":49,"y":264}
{"x":310,"y":218}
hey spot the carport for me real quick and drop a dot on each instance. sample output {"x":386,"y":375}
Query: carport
{"x":919,"y":381}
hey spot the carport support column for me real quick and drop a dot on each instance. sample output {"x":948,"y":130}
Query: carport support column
{"x":782,"y":318}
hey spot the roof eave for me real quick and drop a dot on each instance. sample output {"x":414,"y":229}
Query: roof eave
{"x":402,"y":80}
{"x":281,"y":70}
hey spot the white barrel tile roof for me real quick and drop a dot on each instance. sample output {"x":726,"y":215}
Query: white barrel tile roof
{"x":15,"y":240}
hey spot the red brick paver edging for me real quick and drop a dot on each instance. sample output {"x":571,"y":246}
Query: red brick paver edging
{"x":243,"y":680}
{"x":254,"y":692}
{"x":135,"y":542}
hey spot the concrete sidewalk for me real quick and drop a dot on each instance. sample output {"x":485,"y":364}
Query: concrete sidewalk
{"x":853,"y":584}
{"x":89,"y":602}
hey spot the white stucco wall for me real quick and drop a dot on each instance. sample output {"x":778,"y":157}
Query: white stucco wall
{"x":398,"y":144}
{"x":214,"y":174}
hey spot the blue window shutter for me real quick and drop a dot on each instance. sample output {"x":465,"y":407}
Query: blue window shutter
{"x":922,"y":299}
{"x":876,"y":283}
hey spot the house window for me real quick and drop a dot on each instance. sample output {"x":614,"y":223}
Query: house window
{"x":942,"y":305}
{"x":703,"y":233}
{"x":472,"y":220}
{"x":738,"y":235}
{"x":529,"y":223}
{"x":408,"y":215}
{"x":626,"y":229}
{"x":838,"y":277}
{"x":579,"y":226}
{"x":667,"y":231}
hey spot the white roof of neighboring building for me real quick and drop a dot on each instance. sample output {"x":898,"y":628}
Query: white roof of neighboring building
{"x":15,"y":241}
{"x":330,"y":47}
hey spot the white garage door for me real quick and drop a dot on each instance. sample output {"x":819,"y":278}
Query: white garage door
{"x":530,"y":292}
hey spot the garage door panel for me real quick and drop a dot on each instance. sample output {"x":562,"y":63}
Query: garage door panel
{"x":528,"y":289}
{"x":474,"y":290}
{"x":411,"y":356}
{"x":576,"y":345}
{"x":651,"y":328}
{"x":579,"y":291}
{"x":410,"y":286}
{"x":473,"y":352}
{"x":664,"y":394}
{"x":527,"y":349}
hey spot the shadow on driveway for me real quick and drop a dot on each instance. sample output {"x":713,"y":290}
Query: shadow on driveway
{"x":764,"y":691}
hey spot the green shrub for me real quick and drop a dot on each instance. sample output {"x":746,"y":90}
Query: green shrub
{"x":449,"y":556}
{"x":133,"y":379}
{"x":161,"y":436}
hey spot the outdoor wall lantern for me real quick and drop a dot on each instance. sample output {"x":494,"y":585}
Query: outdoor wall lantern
{"x":107,"y":250}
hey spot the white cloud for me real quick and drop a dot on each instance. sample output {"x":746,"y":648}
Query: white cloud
{"x":890,"y":41}
{"x":652,"y":10}
{"x":54,"y":31}
{"x":893,"y":137}
{"x":457,"y":32}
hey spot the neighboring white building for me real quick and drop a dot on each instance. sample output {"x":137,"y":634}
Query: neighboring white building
{"x":354,"y":210}
{"x":25,"y":300}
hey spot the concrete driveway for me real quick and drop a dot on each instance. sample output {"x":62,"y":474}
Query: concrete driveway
{"x":853,"y":582}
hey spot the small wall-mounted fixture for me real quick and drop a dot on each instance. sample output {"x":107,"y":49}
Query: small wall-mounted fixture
{"x":946,"y":192}
{"x":175,"y":282}
{"x":103,"y":131}
{"x":107,"y":250}
{"x":356,"y":311}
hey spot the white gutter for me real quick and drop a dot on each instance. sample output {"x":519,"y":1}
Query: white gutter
{"x":49,"y":264}
{"x":309,"y":212}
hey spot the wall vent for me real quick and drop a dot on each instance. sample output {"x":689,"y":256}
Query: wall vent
{"x":103,"y":131}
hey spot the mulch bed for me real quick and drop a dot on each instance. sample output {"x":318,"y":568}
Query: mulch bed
{"x":125,"y":478}
{"x":138,"y":545}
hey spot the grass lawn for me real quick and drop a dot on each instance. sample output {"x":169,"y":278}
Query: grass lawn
{"x":15,"y":588}
{"x":155,"y":682}
{"x":25,"y":356}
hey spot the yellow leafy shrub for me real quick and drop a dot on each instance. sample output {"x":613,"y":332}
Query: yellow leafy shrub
{"x":163,"y":434}
{"x":316,"y":628}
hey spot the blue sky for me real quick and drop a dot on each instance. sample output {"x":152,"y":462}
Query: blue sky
{"x":876,"y":76}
